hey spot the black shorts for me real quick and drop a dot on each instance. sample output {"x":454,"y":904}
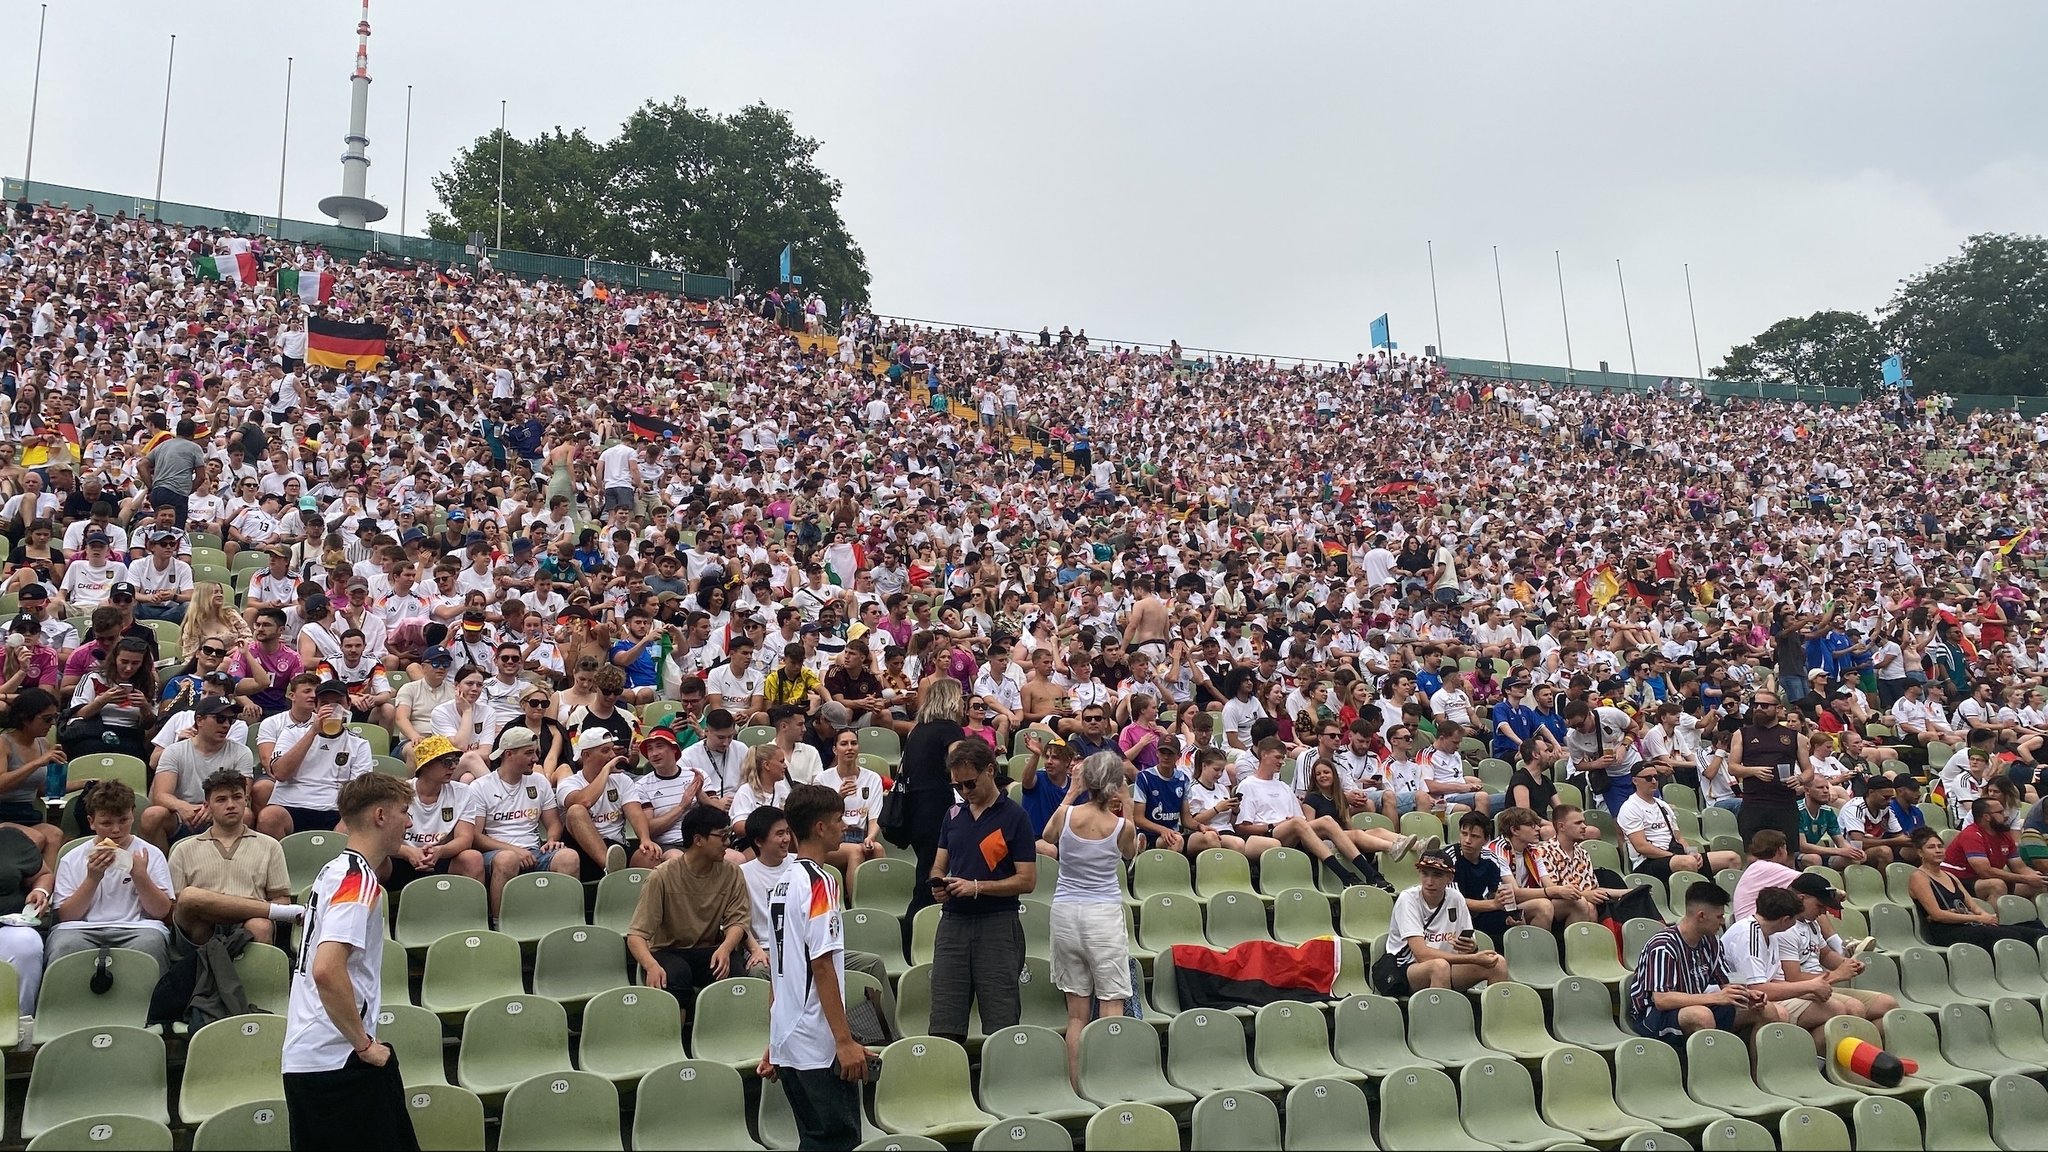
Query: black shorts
{"x":354,"y":1106}
{"x":31,"y":815}
{"x":312,"y":819}
{"x":403,"y":873}
{"x":1657,"y":868}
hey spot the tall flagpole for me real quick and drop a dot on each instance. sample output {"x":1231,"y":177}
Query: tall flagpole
{"x":1626,"y":326}
{"x":405,"y":164}
{"x":284,"y":145}
{"x":1563,"y":311}
{"x":1438,"y":312}
{"x":164,"y":134}
{"x":28,"y":165}
{"x":1501,"y":295}
{"x":1698,"y":365}
{"x":501,"y":175}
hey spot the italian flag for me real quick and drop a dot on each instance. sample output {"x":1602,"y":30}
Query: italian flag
{"x":312,"y":287}
{"x":233,"y":267}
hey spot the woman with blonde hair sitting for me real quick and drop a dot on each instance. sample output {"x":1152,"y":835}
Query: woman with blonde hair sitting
{"x":210,"y":615}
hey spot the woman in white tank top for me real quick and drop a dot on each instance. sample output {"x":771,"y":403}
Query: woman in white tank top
{"x":1091,"y":955}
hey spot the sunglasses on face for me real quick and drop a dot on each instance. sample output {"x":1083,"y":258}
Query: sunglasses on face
{"x":204,"y":650}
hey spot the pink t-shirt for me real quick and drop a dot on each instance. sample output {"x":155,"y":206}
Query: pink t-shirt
{"x":1760,"y":874}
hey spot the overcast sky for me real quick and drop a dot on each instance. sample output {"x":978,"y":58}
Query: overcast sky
{"x":1256,"y":178}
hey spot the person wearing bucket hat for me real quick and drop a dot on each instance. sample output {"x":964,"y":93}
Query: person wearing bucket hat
{"x":1429,"y":941}
{"x":442,"y":837}
{"x":518,"y":820}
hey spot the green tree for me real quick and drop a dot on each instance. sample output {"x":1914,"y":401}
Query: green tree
{"x":1978,"y":321}
{"x":557,"y":189}
{"x":1826,"y":349}
{"x":678,"y":187}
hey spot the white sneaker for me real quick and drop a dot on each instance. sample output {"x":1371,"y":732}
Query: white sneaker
{"x":1404,"y":847}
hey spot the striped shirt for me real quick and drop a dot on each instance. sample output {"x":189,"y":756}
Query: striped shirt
{"x":1669,"y":964}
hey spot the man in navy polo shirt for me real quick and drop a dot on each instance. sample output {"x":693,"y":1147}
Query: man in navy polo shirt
{"x":987,"y":858}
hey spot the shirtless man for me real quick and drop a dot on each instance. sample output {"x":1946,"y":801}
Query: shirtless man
{"x":1145,"y":628}
{"x":1044,"y":701}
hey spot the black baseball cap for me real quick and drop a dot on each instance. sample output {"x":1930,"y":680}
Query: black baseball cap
{"x":216,"y":706}
{"x":1817,"y":886}
{"x":331,"y":689}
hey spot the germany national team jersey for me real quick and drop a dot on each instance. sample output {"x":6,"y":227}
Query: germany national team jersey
{"x":344,"y":907}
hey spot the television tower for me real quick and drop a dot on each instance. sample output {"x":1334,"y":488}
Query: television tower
{"x":353,"y":208}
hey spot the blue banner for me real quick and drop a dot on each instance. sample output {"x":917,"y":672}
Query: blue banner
{"x":1894,"y":370}
{"x":785,"y":264}
{"x":1379,"y":333}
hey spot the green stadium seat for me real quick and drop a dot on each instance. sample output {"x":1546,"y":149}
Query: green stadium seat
{"x":617,"y":895}
{"x":1886,"y":1125}
{"x":10,"y":1006}
{"x":1040,"y":1001}
{"x":1971,"y":974}
{"x":237,"y":1060}
{"x":1737,"y":1135}
{"x":1635,"y":934}
{"x":1419,"y":1113}
{"x":395,"y":972}
{"x":1511,"y":1021}
{"x":257,"y":1126}
{"x":105,"y":1134}
{"x":873,"y":930}
{"x":1655,"y":1140}
{"x":1024,"y":1134}
{"x":2018,"y":968}
{"x":2019,"y":1112}
{"x":446,"y":1118}
{"x":1967,"y":1041}
{"x":1291,"y":1044}
{"x":924,"y":934}
{"x":538,"y":903}
{"x":755,"y":735}
{"x":1718,"y":1076}
{"x":1364,"y":914}
{"x":883,"y":884}
{"x":1156,"y":871}
{"x":1236,"y":917}
{"x":1784,"y":1060}
{"x":926,"y":1090}
{"x":1120,"y":1067}
{"x":67,"y":1004}
{"x":1844,"y":1027}
{"x":1881,"y":974}
{"x":305,"y":853}
{"x":1532,"y":957}
{"x":1805,"y":1129}
{"x":1584,"y":1013}
{"x":266,"y":974}
{"x":1283,"y":868}
{"x":1370,"y":1038}
{"x":1205,"y":1052}
{"x":1024,"y":1073}
{"x":1864,"y":887}
{"x":110,"y":1070}
{"x":1328,"y":1115}
{"x":509,"y":1039}
{"x":1300,"y":915}
{"x":561,"y":1112}
{"x":1440,"y":1028}
{"x":1589,"y":951}
{"x":691,"y":1105}
{"x":111,"y":765}
{"x":1956,"y":1119}
{"x":1222,"y":870}
{"x":1230,"y":1121}
{"x":439,"y":904}
{"x":1497,"y":1104}
{"x":1649,"y":1086}
{"x":730,"y":1023}
{"x":1131,"y":1128}
{"x":1579,"y":1098}
{"x":464,"y":969}
{"x":628,"y":1030}
{"x":900,"y":1144}
{"x":575,"y":963}
{"x":415,"y":1035}
{"x":1036,"y":916}
{"x":1910,"y":1034}
{"x":1166,"y":919}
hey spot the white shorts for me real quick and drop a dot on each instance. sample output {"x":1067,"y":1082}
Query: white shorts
{"x":1091,"y":952}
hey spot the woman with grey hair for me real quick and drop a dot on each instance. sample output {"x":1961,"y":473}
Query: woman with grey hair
{"x":1091,"y":956}
{"x":923,"y":772}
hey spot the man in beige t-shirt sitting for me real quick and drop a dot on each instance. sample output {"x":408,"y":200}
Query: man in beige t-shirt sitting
{"x":229,"y":873}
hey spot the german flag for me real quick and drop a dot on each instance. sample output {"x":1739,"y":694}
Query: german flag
{"x":459,"y":334}
{"x":649,"y":428}
{"x":1254,"y":973}
{"x":444,"y":279}
{"x":334,"y":344}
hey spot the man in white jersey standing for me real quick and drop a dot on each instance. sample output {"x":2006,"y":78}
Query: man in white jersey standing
{"x":341,"y":1085}
{"x":811,"y":1050}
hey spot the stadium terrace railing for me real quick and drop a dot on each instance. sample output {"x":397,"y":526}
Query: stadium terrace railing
{"x":358,"y":242}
